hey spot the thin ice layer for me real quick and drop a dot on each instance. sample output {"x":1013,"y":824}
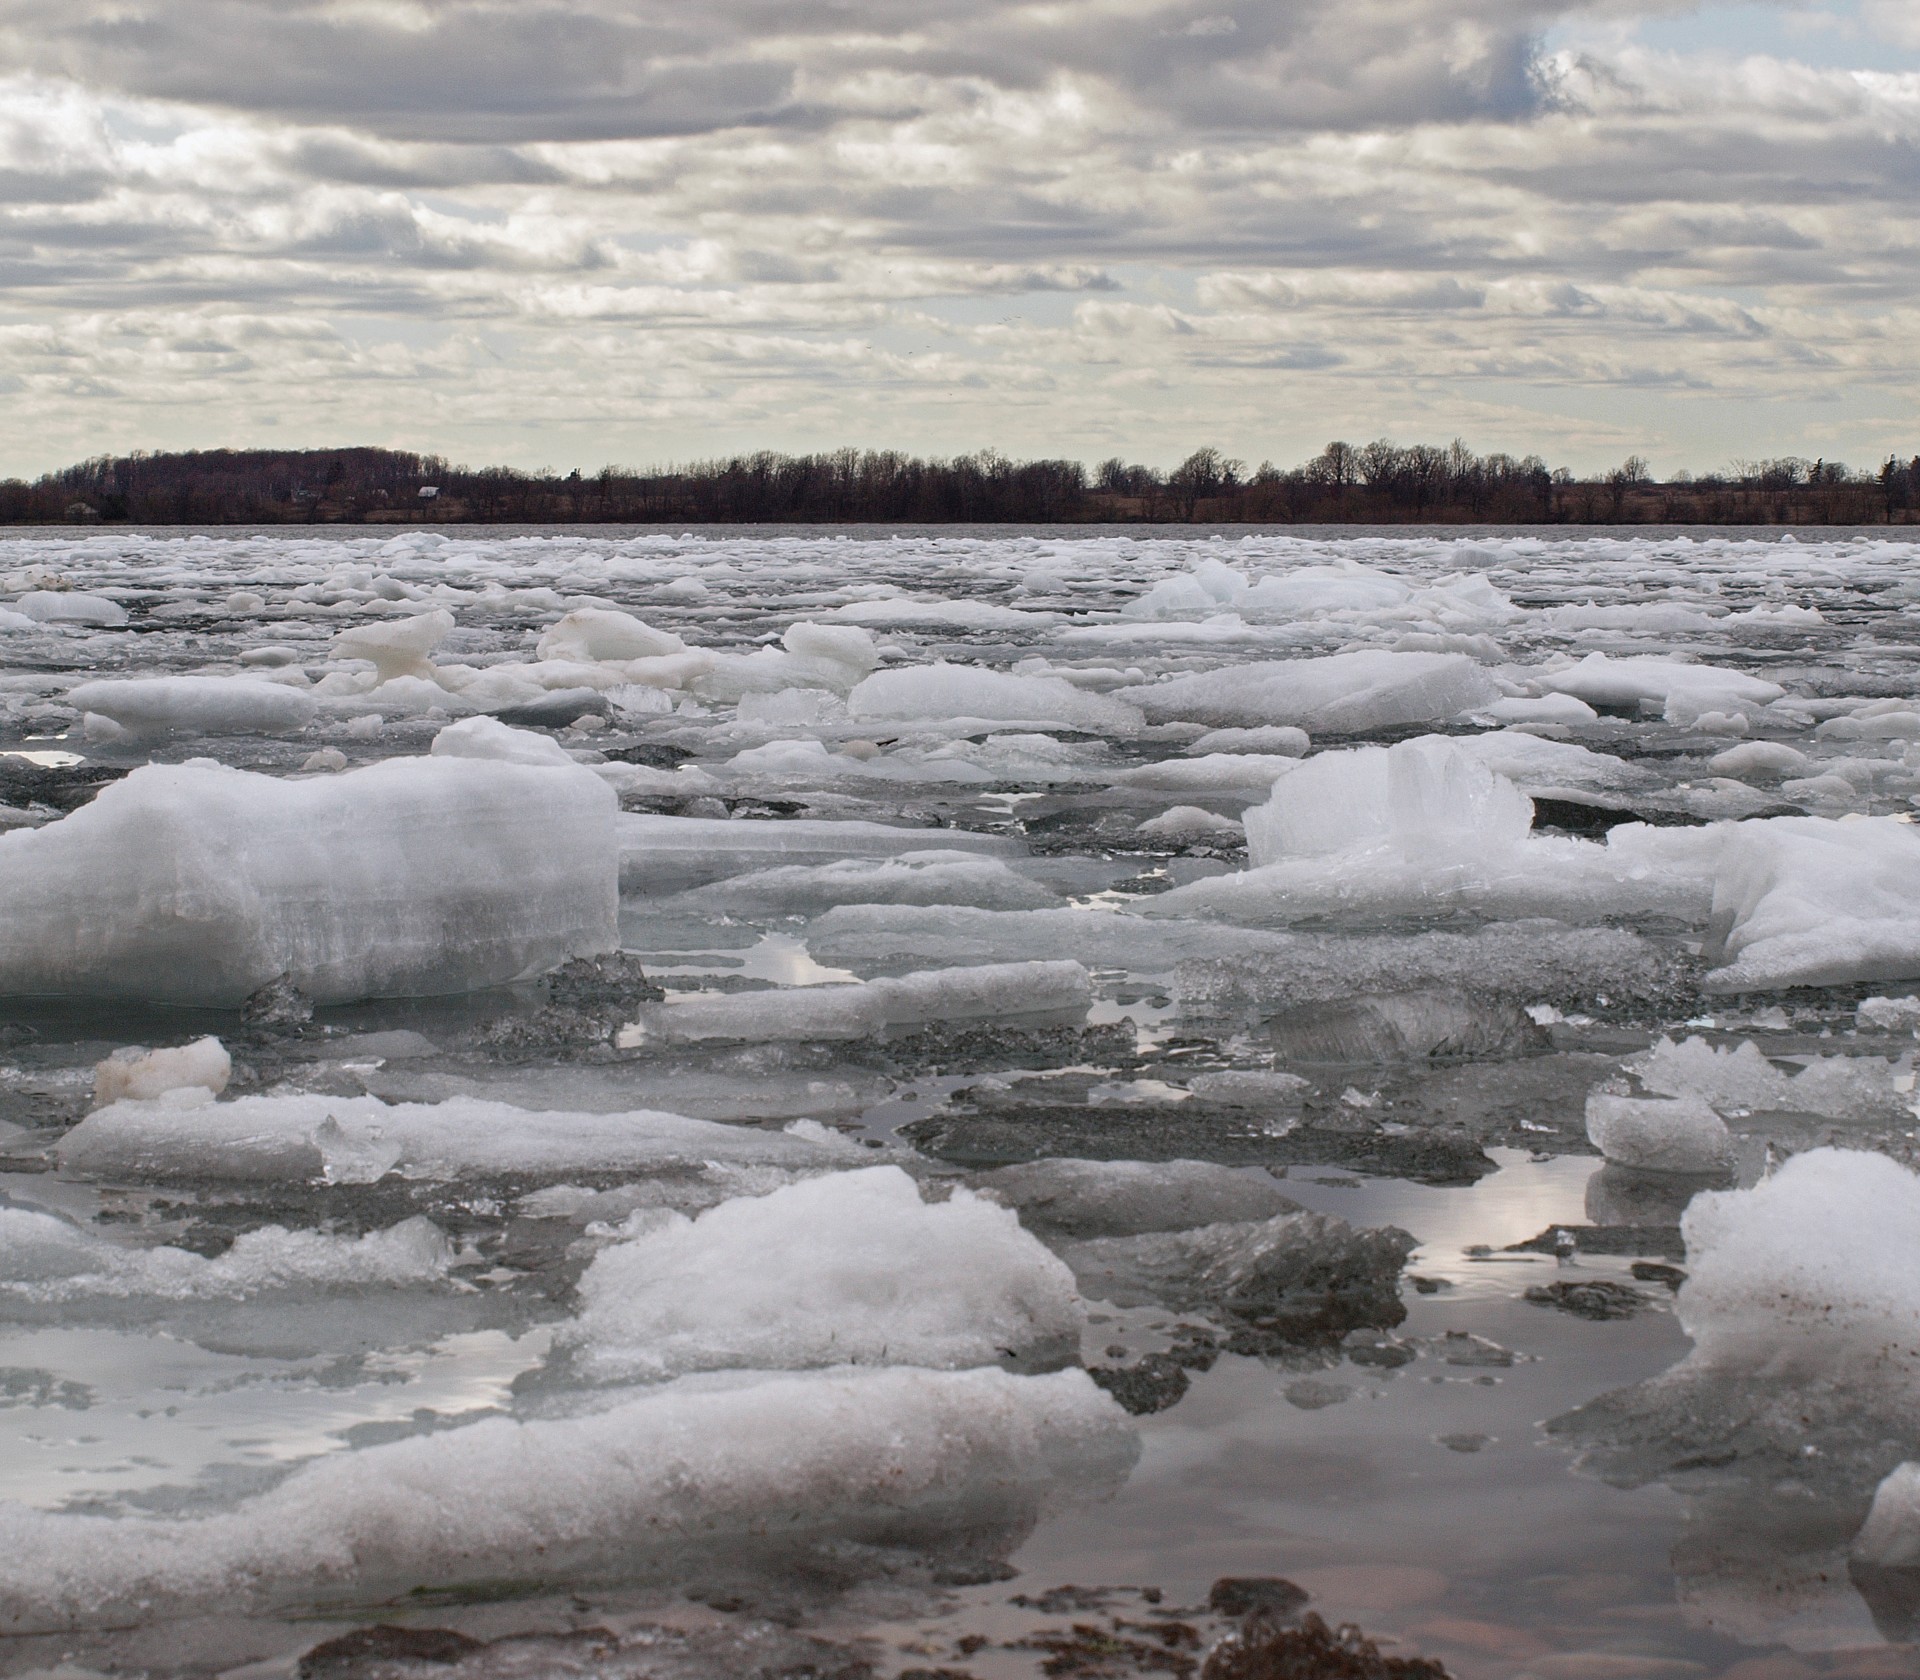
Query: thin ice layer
{"x":198,"y":884}
{"x":47,"y":1261}
{"x":868,"y":1274}
{"x":867,"y":1007}
{"x":669,"y":854}
{"x":955,"y":1462}
{"x":361,"y":1139}
{"x":1082,"y":1199}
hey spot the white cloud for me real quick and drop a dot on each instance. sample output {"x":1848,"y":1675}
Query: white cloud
{"x":568,"y":230}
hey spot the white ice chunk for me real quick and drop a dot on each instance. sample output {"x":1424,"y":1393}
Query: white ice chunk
{"x":1889,"y":1014}
{"x":1209,"y":773}
{"x":594,"y":635}
{"x":1346,"y":693}
{"x":706,"y":1466}
{"x":142,"y":1074}
{"x":1545,"y":708}
{"x":1423,"y":826}
{"x":1279,"y":738}
{"x":293,"y":1137}
{"x":486,"y":737}
{"x":62,"y":606}
{"x":1682,"y":1135}
{"x":1890,"y":1537}
{"x":195,"y":883}
{"x":945,"y":692}
{"x":398,"y":647}
{"x":1806,"y":901}
{"x":158,"y":706}
{"x":867,"y":1274}
{"x":1603,"y":680}
{"x":1741,"y":1079}
{"x":1822,"y":1255}
{"x":1758,"y":759}
{"x":1424,"y":793}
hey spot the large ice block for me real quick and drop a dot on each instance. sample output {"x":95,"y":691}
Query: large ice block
{"x":735,"y":1471}
{"x":1805,"y":901}
{"x":1346,"y":693}
{"x":198,"y":884}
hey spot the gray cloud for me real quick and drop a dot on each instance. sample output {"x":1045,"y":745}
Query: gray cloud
{"x":593,"y":228}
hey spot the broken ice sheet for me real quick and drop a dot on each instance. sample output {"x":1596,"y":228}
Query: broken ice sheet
{"x":847,"y":763}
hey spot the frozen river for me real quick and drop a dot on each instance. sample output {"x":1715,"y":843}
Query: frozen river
{"x":905,"y":1104}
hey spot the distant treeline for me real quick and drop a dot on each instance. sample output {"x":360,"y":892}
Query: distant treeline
{"x":1376,"y":483}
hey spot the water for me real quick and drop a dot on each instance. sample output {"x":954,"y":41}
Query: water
{"x":1399,"y":1472}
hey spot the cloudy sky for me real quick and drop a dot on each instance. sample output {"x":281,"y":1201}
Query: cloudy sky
{"x":573,"y":232}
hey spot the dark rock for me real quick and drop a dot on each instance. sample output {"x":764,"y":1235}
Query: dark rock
{"x":1265,"y":1649}
{"x":1194,"y":1130}
{"x":1243,"y":1595}
{"x":1592,"y":819}
{"x":557,"y":710}
{"x":352,"y":1653}
{"x":656,"y":755}
{"x":1594,"y":1298}
{"x":279,"y":1004}
{"x":1653,"y":1271}
{"x":1150,"y":1385}
{"x":1606,"y":1239}
{"x":64,"y":787}
{"x":610,"y":981}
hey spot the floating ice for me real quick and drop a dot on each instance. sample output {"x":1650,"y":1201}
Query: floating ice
{"x":486,"y":737}
{"x":943,"y":691}
{"x":397,"y":647}
{"x":143,"y":1074}
{"x":152,"y":707}
{"x":1426,"y":793}
{"x":1685,"y":690}
{"x":669,"y":854}
{"x":59,"y":606}
{"x":866,"y":1274}
{"x":595,"y":635}
{"x":1347,"y":693}
{"x":302,"y":1138}
{"x":862,"y":1009}
{"x":1682,"y":1135}
{"x":954,"y":1462}
{"x":45,"y":1261}
{"x":1805,"y":901}
{"x":194,"y":883}
{"x":1742,"y":1079}
{"x":1424,"y":827}
{"x":929,"y":877}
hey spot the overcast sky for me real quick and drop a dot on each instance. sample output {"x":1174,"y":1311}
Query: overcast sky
{"x":578,"y":232}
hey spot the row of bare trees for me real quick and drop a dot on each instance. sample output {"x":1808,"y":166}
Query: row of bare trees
{"x":1381,"y":482}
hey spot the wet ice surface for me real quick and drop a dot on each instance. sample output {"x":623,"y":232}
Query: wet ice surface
{"x":1086,"y":1060}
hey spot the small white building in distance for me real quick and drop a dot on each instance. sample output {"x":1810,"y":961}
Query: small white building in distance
{"x":428,"y":492}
